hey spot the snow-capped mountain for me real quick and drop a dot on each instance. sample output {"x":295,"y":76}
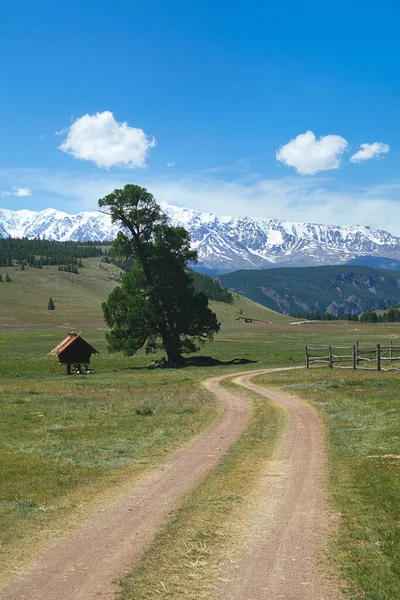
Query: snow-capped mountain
{"x":53,"y":224}
{"x":223,"y":243}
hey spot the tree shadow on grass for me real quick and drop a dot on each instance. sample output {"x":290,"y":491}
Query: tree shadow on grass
{"x":192,"y":361}
{"x":198,"y":361}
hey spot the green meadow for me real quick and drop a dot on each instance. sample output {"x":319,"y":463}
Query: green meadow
{"x":70,"y":445}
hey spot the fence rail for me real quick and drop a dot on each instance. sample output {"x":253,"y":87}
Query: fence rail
{"x":379,"y":357}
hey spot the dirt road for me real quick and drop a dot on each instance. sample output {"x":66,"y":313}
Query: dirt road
{"x":287,"y":524}
{"x":288,"y":529}
{"x":84,"y":564}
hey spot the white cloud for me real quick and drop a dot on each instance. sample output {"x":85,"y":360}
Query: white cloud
{"x":308,"y":155}
{"x":14,"y":191}
{"x":101,"y":139}
{"x":368,"y":151}
{"x":21,"y":192}
{"x":170,"y":164}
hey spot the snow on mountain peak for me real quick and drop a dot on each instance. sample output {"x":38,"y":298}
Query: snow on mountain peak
{"x":222,"y":242}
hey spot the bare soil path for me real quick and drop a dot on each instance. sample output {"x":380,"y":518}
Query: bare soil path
{"x":284,"y":533}
{"x":287,"y":523}
{"x":84,"y":564}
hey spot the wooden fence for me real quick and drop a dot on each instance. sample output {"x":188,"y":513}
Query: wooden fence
{"x":378,"y":358}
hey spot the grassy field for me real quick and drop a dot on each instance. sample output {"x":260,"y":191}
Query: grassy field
{"x":65,"y":441}
{"x":77,"y":298}
{"x":361,"y":413}
{"x":70,"y":445}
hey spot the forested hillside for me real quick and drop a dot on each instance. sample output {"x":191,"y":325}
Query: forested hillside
{"x":68,"y":256}
{"x":335,"y":290}
{"x":38,"y":253}
{"x":211,"y":288}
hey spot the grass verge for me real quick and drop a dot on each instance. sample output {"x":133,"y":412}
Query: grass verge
{"x":361,"y":411}
{"x":68,"y":444}
{"x":184,"y":559}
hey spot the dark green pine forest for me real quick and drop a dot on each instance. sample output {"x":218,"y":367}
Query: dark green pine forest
{"x":39,"y":253}
{"x":337,"y":290}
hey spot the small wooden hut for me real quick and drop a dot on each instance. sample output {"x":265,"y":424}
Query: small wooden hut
{"x":74,"y":352}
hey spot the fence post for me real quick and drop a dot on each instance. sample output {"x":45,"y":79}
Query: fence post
{"x":307,"y":359}
{"x":357,"y":348}
{"x":330,"y":357}
{"x":378,"y":357}
{"x":391,"y":352}
{"x":354,"y":357}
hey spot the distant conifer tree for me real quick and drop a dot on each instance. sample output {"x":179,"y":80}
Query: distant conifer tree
{"x":8,"y":278}
{"x":1,"y":278}
{"x":50,"y":304}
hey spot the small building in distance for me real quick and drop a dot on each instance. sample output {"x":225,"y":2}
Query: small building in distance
{"x":74,"y":352}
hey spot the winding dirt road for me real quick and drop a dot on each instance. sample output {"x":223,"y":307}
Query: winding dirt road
{"x":286,"y":530}
{"x":287,"y":523}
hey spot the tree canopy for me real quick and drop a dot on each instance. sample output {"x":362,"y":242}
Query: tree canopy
{"x":156,"y":305}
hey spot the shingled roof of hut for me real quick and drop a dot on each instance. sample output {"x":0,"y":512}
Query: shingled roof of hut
{"x":71,"y":337}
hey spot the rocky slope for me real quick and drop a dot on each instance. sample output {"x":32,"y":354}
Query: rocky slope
{"x":335,"y":289}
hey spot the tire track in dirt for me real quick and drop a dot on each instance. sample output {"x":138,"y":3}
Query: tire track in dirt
{"x":83,"y":565}
{"x":287,"y":524}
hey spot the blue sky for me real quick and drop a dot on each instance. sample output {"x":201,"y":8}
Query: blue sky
{"x":207,"y":104}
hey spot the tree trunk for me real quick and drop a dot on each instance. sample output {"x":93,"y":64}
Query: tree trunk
{"x":168,"y":334}
{"x":172,"y":349}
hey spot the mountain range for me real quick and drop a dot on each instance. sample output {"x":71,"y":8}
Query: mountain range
{"x":224,"y":244}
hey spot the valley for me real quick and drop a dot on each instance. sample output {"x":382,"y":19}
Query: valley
{"x":75,"y":447}
{"x":199,"y":301}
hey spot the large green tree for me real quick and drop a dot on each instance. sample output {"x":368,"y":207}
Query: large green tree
{"x":156,"y":305}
